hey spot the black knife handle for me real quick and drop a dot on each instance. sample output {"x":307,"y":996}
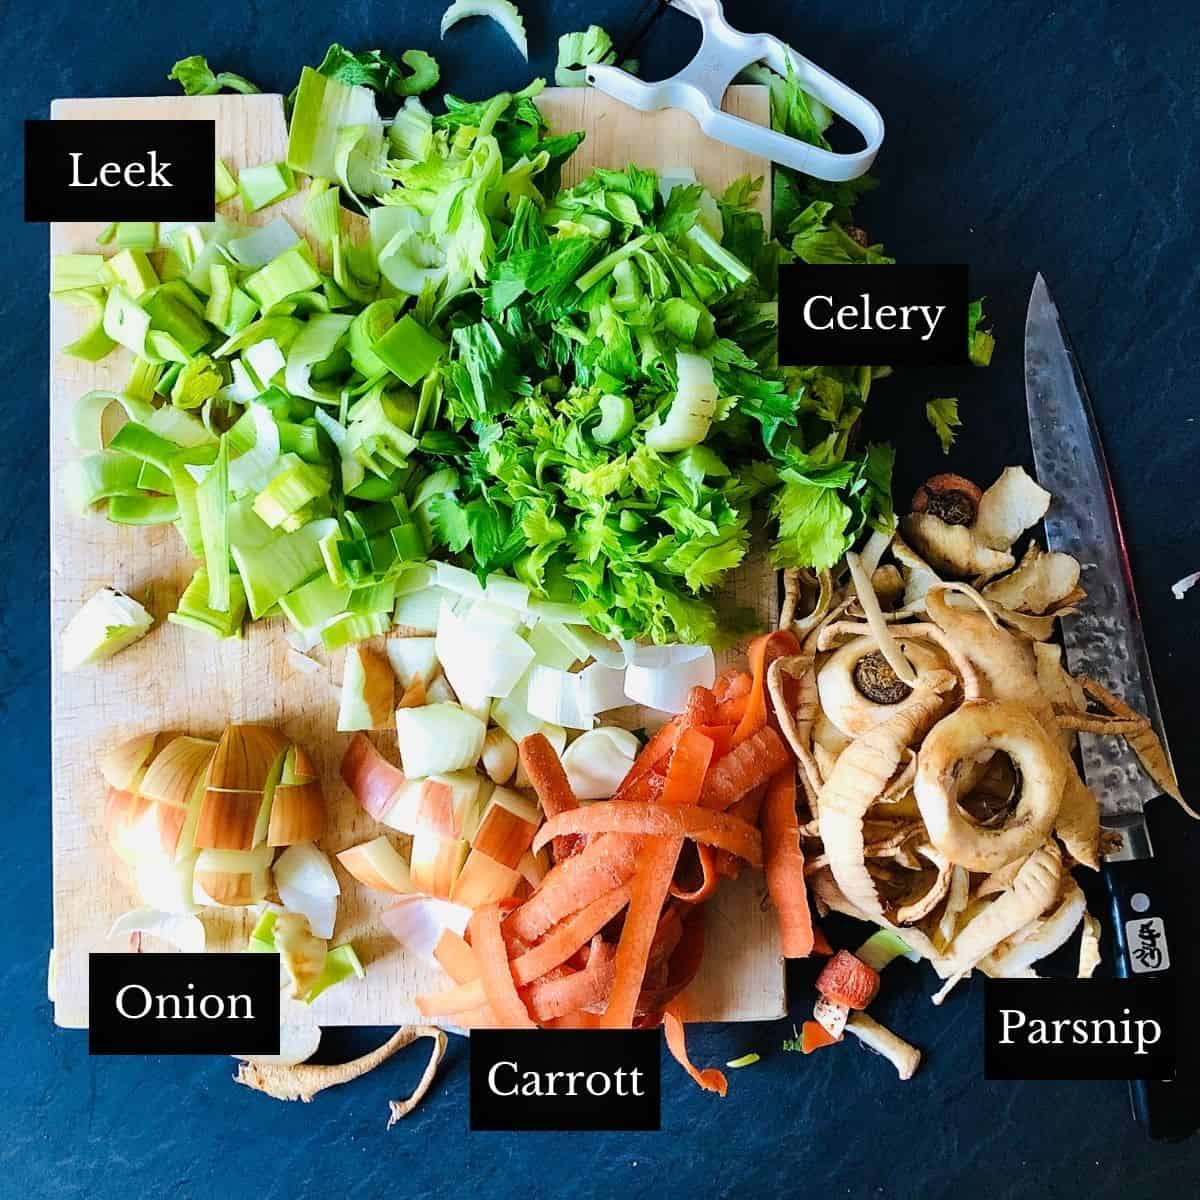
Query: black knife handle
{"x":1165,"y":1108}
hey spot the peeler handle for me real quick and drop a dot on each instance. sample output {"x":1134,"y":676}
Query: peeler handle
{"x":700,"y":87}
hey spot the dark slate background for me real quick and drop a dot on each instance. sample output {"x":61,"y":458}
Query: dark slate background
{"x":1021,"y":136}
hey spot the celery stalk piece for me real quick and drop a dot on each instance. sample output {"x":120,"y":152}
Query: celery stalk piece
{"x":409,"y":350}
{"x":265,"y":184}
{"x":95,"y":342}
{"x":355,"y":627}
{"x":195,"y":612}
{"x":226,"y":186}
{"x":69,"y":272}
{"x":108,"y":622}
{"x":322,"y":108}
{"x":504,"y":12}
{"x":212,"y":503}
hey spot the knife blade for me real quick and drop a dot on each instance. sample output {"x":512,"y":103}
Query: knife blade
{"x":1105,"y":641}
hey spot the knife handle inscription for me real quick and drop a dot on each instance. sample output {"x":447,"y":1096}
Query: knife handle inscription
{"x":1167,"y":1109}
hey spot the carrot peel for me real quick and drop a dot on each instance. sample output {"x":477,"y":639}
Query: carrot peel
{"x":710,"y":1079}
{"x":784,"y":861}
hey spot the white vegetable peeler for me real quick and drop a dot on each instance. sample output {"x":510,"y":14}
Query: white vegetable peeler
{"x":700,"y":87}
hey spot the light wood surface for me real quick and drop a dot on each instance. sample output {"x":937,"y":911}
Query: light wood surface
{"x":178,"y":679}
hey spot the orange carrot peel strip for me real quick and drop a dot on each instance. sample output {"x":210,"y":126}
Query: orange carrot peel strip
{"x":763,"y":651}
{"x":492,"y":955}
{"x":710,"y":1079}
{"x":549,"y":780}
{"x":813,"y":1036}
{"x":750,"y":763}
{"x":720,"y":829}
{"x":602,"y":865}
{"x":784,"y":861}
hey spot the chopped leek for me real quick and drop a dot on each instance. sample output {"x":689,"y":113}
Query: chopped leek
{"x":87,"y":481}
{"x":355,"y":627}
{"x":143,"y":510}
{"x":212,"y":503}
{"x":195,"y":612}
{"x":95,"y":342}
{"x":278,"y":563}
{"x":108,"y":622}
{"x":409,"y":350}
{"x":282,"y":277}
{"x":131,"y":270}
{"x":226,"y":186}
{"x":266,"y":184}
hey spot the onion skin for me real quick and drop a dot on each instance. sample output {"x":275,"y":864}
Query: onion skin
{"x":297,"y":814}
{"x":372,"y":779}
{"x":227,"y":820}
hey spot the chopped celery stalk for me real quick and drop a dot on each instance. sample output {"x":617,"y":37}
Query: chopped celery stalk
{"x":746,"y":1060}
{"x":355,"y":627}
{"x":409,"y":350}
{"x":212,"y":503}
{"x":277,"y":564}
{"x":95,"y":342}
{"x":133,"y":438}
{"x":194,"y":611}
{"x":71,"y":271}
{"x":366,"y":330}
{"x":616,"y":419}
{"x":378,"y":598}
{"x":290,"y":491}
{"x":323,"y":107}
{"x":315,"y":603}
{"x":199,"y":381}
{"x":260,"y":246}
{"x":722,"y":257}
{"x":265,"y":184}
{"x":125,"y":322}
{"x":87,"y":481}
{"x":504,"y":12}
{"x":136,"y":235}
{"x":340,"y":963}
{"x":284,"y":276}
{"x":605,"y":266}
{"x":143,"y":510}
{"x":109,"y":621}
{"x":691,"y":413}
{"x":226,"y":186}
{"x":131,"y":269}
{"x":411,"y":134}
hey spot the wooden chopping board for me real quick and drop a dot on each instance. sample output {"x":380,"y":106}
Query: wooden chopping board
{"x":178,"y":679}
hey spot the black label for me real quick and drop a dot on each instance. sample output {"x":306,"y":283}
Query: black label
{"x":120,"y":170}
{"x":1079,"y":1028}
{"x":902,"y":316}
{"x":565,"y":1079}
{"x":183,"y":1003}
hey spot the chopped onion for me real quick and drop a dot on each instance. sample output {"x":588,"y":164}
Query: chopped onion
{"x":597,"y":761}
{"x":306,"y":884}
{"x":602,"y":688}
{"x":108,"y":622}
{"x":438,"y":738}
{"x":1181,"y":587}
{"x":480,"y":660}
{"x":167,"y":886}
{"x":418,"y":923}
{"x":181,"y":930}
{"x":557,"y":697}
{"x":661,"y":677}
{"x":455,"y":579}
{"x":412,"y":659}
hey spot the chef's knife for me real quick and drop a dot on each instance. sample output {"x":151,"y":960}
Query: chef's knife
{"x":1104,"y":640}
